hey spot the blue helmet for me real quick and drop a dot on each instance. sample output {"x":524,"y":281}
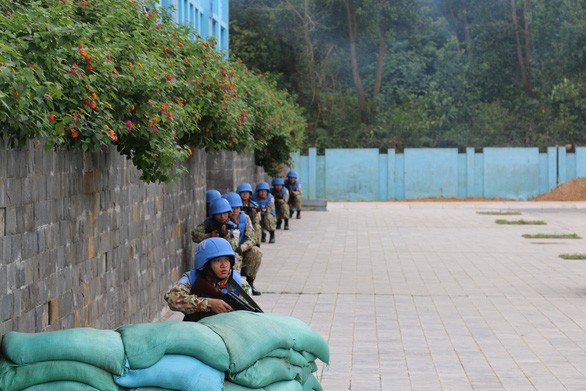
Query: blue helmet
{"x":233,"y":199}
{"x":292,"y":174}
{"x":262,"y":186}
{"x":244,"y":186}
{"x":211,"y":248}
{"x":278,"y":181}
{"x":220,"y":205}
{"x":212,"y":195}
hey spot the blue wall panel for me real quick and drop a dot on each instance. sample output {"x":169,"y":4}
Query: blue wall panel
{"x":581,"y":161}
{"x":352,"y":174}
{"x":511,"y":172}
{"x":431,"y":173}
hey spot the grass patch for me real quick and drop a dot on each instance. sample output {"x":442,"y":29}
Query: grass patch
{"x":499,"y":213}
{"x":521,"y":222}
{"x":551,"y":236}
{"x":573,"y":256}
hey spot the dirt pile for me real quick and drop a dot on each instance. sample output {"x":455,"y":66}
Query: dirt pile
{"x":572,"y":190}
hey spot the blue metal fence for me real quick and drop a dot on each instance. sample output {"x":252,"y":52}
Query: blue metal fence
{"x":367,"y":175}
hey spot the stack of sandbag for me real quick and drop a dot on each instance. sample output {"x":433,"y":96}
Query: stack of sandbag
{"x":252,"y":351}
{"x":72,"y":359}
{"x":173,"y":355}
{"x":269,"y":351}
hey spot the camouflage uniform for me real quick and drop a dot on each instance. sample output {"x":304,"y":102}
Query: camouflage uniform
{"x":251,"y":254}
{"x":255,"y":219}
{"x":268,"y":221}
{"x":180,"y":299}
{"x":294,"y":196}
{"x":281,"y":203}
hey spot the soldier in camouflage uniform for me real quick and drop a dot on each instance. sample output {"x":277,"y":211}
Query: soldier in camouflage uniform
{"x":294,"y":187}
{"x":281,"y":196}
{"x":211,"y":261}
{"x":251,"y":254}
{"x":251,"y":208}
{"x":266,"y":201}
{"x":219,"y":225}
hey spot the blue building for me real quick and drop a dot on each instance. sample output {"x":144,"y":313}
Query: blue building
{"x":209,"y":17}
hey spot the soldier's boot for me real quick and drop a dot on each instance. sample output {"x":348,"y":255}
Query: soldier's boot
{"x":250,"y":281}
{"x":290,"y":212}
{"x":298,"y":214}
{"x":272,"y":238}
{"x":279,"y":221}
{"x":263,"y":237}
{"x":286,"y":227}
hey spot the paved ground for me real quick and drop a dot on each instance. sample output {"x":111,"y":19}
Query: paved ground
{"x":434,"y":296}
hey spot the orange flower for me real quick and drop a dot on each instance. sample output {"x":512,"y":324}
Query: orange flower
{"x":130,"y":65}
{"x":131,"y":107}
{"x":205,"y":44}
{"x":93,"y":105}
{"x":94,"y":95}
{"x":74,"y":133}
{"x":164,"y":106}
{"x":115,"y":71}
{"x":155,"y":119}
{"x":189,"y":151}
{"x":111,"y":133}
{"x":82,"y":53}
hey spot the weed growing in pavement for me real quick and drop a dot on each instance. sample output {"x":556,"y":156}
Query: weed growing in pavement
{"x":572,"y":256}
{"x":521,"y":222}
{"x":551,"y":236}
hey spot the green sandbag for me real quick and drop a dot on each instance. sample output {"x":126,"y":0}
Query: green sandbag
{"x":100,"y":348}
{"x":247,"y":336}
{"x":15,"y":377}
{"x":237,"y":387}
{"x":312,"y":384}
{"x":146,"y":343}
{"x":61,"y":386}
{"x":290,"y":385}
{"x":293,"y":356}
{"x":266,"y":371}
{"x":305,"y":338}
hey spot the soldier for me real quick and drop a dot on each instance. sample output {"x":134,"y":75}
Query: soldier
{"x":211,"y":195}
{"x":251,"y":208}
{"x":294,"y":188}
{"x":213,"y":262}
{"x":267,"y":204}
{"x":281,"y":202}
{"x":218,"y":224}
{"x":251,"y":254}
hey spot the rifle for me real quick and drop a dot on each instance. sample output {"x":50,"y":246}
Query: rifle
{"x":204,"y":288}
{"x":251,"y":205}
{"x":216,"y":226}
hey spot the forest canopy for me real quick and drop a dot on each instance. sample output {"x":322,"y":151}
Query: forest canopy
{"x":424,"y":73}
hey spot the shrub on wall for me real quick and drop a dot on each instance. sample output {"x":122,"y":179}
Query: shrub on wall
{"x":85,"y":74}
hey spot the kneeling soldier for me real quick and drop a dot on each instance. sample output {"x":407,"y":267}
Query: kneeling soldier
{"x":281,"y":202}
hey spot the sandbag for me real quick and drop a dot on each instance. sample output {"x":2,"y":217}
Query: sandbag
{"x":290,"y":385}
{"x":174,"y":372}
{"x":18,"y":377}
{"x":305,"y":338}
{"x":293,"y":356}
{"x":270,"y":370}
{"x":61,"y":386}
{"x":237,"y":387}
{"x":312,"y":384}
{"x":247,"y":336}
{"x":100,"y":348}
{"x":146,"y":343}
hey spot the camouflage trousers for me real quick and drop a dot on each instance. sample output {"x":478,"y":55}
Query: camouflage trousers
{"x":251,"y":260}
{"x":282,"y":211}
{"x":268,"y":223}
{"x":294,"y":201}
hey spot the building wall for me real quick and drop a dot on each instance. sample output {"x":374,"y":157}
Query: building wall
{"x":365,"y":174}
{"x":225,"y":170}
{"x":83,"y":242}
{"x":208,"y":17}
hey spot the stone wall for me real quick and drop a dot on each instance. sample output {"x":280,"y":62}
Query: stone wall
{"x":225,"y":170}
{"x":83,"y":242}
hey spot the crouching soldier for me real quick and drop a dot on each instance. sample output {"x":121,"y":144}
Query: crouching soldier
{"x":281,"y":202}
{"x":211,"y":195}
{"x":251,"y":208}
{"x":267,"y":204}
{"x":294,"y":188}
{"x":202,"y":291}
{"x":250,"y":253}
{"x":218,"y":225}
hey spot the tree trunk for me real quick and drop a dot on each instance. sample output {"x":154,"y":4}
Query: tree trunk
{"x":466,"y":29}
{"x":380,"y":60}
{"x":351,"y":21}
{"x":311,"y":69}
{"x":519,"y":46}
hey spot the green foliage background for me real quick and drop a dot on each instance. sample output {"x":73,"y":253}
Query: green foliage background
{"x":85,"y":74}
{"x":450,"y":76}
